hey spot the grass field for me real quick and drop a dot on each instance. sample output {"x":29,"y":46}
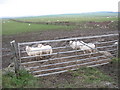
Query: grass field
{"x":11,"y":27}
{"x":74,"y":17}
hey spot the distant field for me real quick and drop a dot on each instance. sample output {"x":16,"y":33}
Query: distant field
{"x":74,"y":18}
{"x":11,"y":27}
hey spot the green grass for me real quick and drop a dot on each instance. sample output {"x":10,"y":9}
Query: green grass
{"x":70,"y":19}
{"x":91,"y":75}
{"x":13,"y":27}
{"x":73,"y":17}
{"x":116,"y":60}
{"x":25,"y":80}
{"x":84,"y":77}
{"x":80,"y":78}
{"x":0,"y":78}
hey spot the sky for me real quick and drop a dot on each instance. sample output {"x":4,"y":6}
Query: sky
{"x":17,"y":8}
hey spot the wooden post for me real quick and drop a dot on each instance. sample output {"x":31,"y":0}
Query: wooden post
{"x":119,"y":45}
{"x":16,"y":57}
{"x":118,"y":30}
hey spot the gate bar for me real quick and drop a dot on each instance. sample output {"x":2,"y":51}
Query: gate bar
{"x":26,"y":43}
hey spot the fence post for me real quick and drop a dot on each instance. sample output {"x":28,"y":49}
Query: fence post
{"x":76,"y":46}
{"x":118,"y":31}
{"x":76,"y":52}
{"x":16,"y":57}
{"x":119,"y":46}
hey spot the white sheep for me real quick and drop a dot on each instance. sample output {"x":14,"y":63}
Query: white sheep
{"x":33,"y":51}
{"x":116,"y":43}
{"x":82,"y":46}
{"x":106,"y":53}
{"x":46,"y":49}
{"x":87,"y":46}
{"x":75,"y":44}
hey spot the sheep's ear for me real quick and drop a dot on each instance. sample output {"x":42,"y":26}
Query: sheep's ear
{"x":40,"y":45}
{"x":27,"y":47}
{"x":71,"y":42}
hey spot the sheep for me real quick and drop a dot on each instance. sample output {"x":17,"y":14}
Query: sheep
{"x":46,"y":49}
{"x":107,"y":54}
{"x":112,"y":21}
{"x":116,"y":43}
{"x":39,"y":45}
{"x":75,"y":44}
{"x":82,"y":46}
{"x":33,"y":51}
{"x":87,"y":46}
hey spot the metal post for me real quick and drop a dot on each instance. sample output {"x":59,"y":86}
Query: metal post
{"x":16,"y":57}
{"x":76,"y":46}
{"x":76,"y":53}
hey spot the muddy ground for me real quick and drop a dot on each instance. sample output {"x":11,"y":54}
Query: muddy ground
{"x":49,"y":35}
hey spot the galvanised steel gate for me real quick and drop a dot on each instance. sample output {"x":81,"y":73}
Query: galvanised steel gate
{"x":65,"y":58}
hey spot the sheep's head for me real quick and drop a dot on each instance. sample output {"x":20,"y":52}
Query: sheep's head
{"x":70,"y":42}
{"x":27,"y":48}
{"x":40,"y":45}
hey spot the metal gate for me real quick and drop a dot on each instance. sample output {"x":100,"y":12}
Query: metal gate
{"x":65,"y":58}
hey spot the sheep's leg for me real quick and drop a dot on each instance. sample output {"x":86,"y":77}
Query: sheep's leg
{"x":50,"y":52}
{"x":36,"y":57}
{"x":32,"y":59}
{"x":40,"y":56}
{"x":94,"y":50}
{"x":48,"y":55}
{"x":90,"y":53}
{"x":84,"y":51}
